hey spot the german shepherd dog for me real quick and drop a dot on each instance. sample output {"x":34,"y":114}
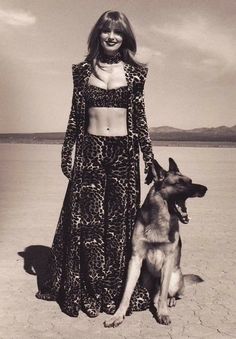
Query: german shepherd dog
{"x":156,"y":242}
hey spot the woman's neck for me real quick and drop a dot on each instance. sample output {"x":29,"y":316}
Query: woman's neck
{"x":110,"y":59}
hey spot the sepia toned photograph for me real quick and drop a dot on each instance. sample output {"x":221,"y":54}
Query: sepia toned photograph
{"x":117,"y":169}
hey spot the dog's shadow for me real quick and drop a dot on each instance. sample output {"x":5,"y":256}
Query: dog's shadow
{"x":36,"y":262}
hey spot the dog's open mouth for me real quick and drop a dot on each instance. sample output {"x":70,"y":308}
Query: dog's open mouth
{"x":180,"y":209}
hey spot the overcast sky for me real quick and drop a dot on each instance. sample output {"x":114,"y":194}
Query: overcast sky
{"x":190,"y":46}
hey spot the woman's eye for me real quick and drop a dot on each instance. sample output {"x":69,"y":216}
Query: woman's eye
{"x":107,"y":31}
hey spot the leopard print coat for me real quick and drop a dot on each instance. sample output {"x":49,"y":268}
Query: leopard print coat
{"x":65,"y":284}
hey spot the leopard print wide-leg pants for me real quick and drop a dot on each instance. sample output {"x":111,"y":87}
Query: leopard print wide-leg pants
{"x":103,"y":210}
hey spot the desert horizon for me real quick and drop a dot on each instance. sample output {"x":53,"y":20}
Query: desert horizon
{"x":221,"y":136}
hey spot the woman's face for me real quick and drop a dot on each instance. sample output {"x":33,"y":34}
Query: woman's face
{"x":111,"y":39}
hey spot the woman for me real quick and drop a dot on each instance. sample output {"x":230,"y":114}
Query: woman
{"x":91,"y":247}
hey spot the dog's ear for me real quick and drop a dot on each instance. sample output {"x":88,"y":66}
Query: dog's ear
{"x":161,"y":173}
{"x":172,"y":166}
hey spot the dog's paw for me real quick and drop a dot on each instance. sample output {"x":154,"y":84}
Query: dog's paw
{"x":114,"y":321}
{"x":163,"y":319}
{"x":172,"y":302}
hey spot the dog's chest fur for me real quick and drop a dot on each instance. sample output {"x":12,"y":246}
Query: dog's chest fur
{"x":159,"y":225}
{"x":160,"y":231}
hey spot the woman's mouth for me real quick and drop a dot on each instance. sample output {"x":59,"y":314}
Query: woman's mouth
{"x":111,"y":43}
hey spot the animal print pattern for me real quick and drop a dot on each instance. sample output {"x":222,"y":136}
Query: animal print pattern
{"x":140,"y":120}
{"x":101,"y":97}
{"x":104,"y":253}
{"x":103,"y":231}
{"x":73,"y":279}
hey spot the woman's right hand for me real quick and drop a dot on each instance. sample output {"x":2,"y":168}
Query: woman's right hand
{"x":66,"y":166}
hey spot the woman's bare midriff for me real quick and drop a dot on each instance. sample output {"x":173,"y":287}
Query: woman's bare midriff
{"x":107,"y":121}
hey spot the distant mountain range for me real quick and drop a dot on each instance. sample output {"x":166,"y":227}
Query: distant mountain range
{"x":221,"y":133}
{"x":162,"y":133}
{"x":33,"y":138}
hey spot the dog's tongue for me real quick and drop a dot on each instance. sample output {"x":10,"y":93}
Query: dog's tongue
{"x":182,"y":212}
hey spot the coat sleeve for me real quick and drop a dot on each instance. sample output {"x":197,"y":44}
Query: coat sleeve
{"x":140,"y":120}
{"x":71,"y":132}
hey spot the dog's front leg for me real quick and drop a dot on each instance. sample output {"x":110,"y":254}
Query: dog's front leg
{"x":160,"y":300}
{"x":132,"y":278}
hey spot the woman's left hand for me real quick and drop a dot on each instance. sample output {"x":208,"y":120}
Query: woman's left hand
{"x":151,"y":174}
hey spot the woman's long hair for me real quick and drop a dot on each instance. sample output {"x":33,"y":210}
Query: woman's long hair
{"x":112,"y":20}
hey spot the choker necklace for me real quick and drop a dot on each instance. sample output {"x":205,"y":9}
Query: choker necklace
{"x":110,"y":59}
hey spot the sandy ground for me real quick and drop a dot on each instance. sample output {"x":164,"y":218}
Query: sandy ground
{"x":32,"y":190}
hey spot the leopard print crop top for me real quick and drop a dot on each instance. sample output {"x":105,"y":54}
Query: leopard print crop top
{"x":101,"y":97}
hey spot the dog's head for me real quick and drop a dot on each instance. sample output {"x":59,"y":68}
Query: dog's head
{"x":176,"y":188}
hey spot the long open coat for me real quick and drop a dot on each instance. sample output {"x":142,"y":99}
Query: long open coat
{"x":65,"y":282}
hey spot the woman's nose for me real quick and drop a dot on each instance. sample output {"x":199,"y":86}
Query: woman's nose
{"x":111,"y":34}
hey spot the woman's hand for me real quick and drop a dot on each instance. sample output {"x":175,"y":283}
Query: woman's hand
{"x":66,"y":168}
{"x":151,"y":174}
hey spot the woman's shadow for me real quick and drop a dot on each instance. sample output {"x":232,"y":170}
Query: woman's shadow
{"x":36,"y":262}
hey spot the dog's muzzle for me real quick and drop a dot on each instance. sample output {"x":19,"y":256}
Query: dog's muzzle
{"x":179,"y":208}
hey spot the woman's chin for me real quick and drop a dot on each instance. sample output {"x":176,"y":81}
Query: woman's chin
{"x":110,"y":49}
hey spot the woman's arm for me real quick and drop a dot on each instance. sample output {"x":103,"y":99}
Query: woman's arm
{"x":70,"y":135}
{"x":141,"y":121}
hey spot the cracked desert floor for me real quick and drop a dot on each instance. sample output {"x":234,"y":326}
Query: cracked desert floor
{"x":32,"y":191}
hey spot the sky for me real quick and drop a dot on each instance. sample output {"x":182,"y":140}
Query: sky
{"x":189,"y":45}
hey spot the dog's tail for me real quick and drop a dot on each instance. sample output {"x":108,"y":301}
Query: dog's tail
{"x":190,"y":279}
